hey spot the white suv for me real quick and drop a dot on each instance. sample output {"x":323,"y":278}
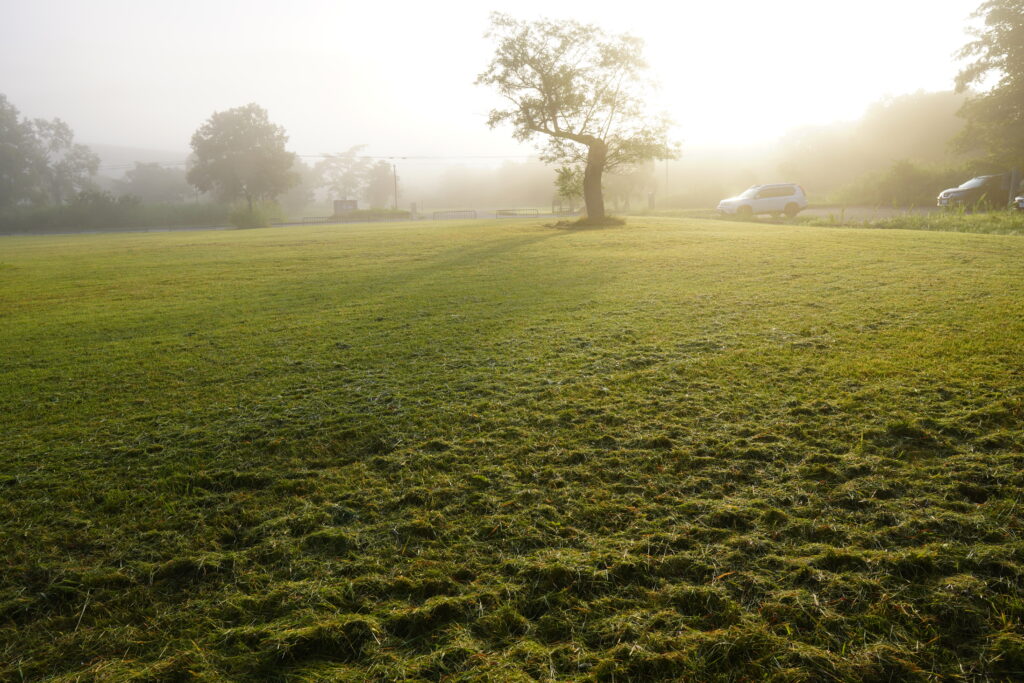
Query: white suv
{"x":777,"y":199}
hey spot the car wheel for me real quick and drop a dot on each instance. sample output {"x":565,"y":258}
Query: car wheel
{"x":792,"y":210}
{"x":744,"y":212}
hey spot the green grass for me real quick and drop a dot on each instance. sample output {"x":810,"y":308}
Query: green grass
{"x":982,"y":222}
{"x":494,"y":450}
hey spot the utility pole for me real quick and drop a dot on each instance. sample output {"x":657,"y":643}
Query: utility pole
{"x":394,"y":173}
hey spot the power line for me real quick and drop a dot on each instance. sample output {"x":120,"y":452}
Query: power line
{"x":425,"y":156}
{"x":392,"y":157}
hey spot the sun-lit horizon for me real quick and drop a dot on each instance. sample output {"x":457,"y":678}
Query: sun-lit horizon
{"x":399,"y":79}
{"x":310,"y":374}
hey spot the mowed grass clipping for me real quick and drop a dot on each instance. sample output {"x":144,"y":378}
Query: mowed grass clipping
{"x":674,"y":449}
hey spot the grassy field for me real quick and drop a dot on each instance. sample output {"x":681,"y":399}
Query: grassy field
{"x":496,"y":450}
{"x":883,"y":218}
{"x":982,"y":222}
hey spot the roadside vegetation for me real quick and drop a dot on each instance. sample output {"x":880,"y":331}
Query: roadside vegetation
{"x":987,"y":222}
{"x":101,"y":211}
{"x":672,"y":449}
{"x":982,"y":222}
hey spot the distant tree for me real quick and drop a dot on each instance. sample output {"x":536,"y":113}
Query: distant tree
{"x":154,"y":183}
{"x":635,"y":180}
{"x":345,"y":174}
{"x":303,"y":193}
{"x":40,"y":161}
{"x":995,"y":117}
{"x":22,"y":160}
{"x":69,"y":166}
{"x":916,"y":126}
{"x":380,"y":185}
{"x":240,"y":154}
{"x":579,"y":88}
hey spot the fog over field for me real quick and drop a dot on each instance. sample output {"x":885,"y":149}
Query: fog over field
{"x":737,"y":77}
{"x":523,"y":341}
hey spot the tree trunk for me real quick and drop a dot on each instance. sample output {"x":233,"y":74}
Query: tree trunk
{"x":248,"y":198}
{"x":597,"y":155}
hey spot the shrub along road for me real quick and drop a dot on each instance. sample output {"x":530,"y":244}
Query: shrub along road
{"x":674,"y":448}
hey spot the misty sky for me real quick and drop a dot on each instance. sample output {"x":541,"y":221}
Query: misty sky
{"x":398,"y":76}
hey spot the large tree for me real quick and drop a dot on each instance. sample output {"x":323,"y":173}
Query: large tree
{"x":21,"y":158}
{"x":344,"y":174}
{"x":240,"y":154}
{"x":380,"y":185}
{"x":69,"y":166}
{"x":350,"y":174}
{"x":40,"y":160}
{"x":995,"y":116}
{"x":581,"y":90}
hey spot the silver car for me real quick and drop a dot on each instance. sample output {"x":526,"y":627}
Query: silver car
{"x":776,"y":199}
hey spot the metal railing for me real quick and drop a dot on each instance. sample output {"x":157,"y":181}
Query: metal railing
{"x":449,"y":215}
{"x":516,"y":213}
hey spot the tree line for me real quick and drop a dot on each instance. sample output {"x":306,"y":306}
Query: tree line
{"x":576,"y":90}
{"x":40,"y":162}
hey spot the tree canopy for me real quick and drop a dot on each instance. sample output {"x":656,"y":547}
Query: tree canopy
{"x":350,"y":174}
{"x":151,"y":182}
{"x":40,"y":162}
{"x":581,"y":90}
{"x":240,"y":154}
{"x":344,"y":174}
{"x":995,"y":116}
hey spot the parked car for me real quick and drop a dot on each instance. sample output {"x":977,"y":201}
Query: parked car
{"x":776,"y":199}
{"x":1018,"y":203}
{"x":985,"y":191}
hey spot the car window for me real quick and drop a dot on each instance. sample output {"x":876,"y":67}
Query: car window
{"x":778,"y":191}
{"x":972,"y":183}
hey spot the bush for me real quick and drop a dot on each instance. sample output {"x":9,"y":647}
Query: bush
{"x":905,"y":183}
{"x":260,"y":215}
{"x":369,"y":215}
{"x":103,"y":211}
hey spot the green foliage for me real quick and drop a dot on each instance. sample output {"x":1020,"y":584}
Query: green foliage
{"x":374,"y":214}
{"x":988,"y":223}
{"x":569,"y":182}
{"x":257,"y":216}
{"x":673,"y":450}
{"x":103,"y":211}
{"x":240,"y":154}
{"x":344,"y":174}
{"x":156,"y":184}
{"x":40,"y":162}
{"x":349,"y":175}
{"x":918,"y":127}
{"x":995,"y":117}
{"x":380,"y":185}
{"x":579,"y":89}
{"x":21,"y":158}
{"x":302,"y":195}
{"x":68,"y":166}
{"x":904,"y":183}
